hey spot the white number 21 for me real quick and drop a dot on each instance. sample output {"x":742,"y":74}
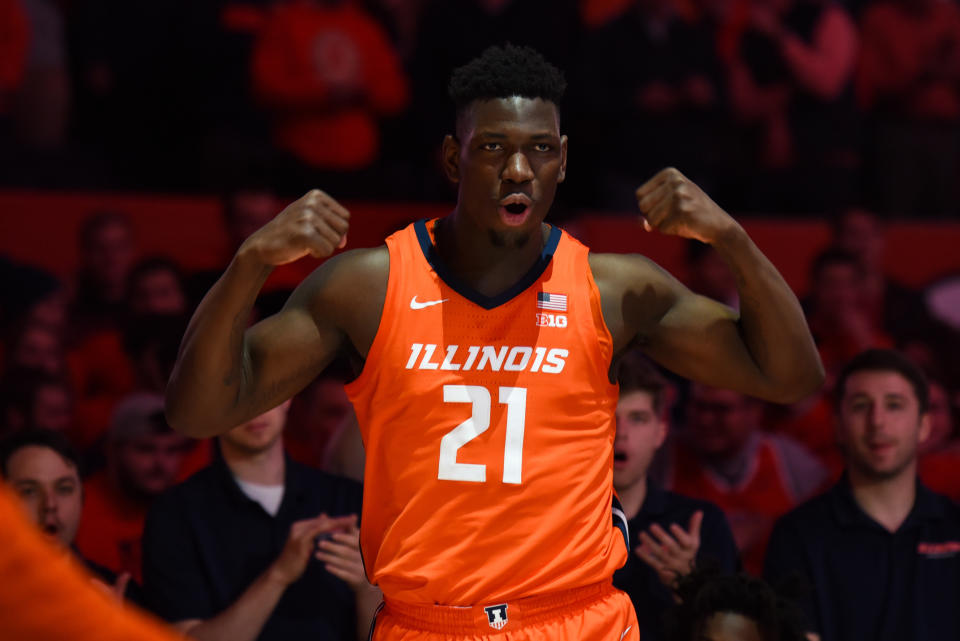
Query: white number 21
{"x":515,"y":398}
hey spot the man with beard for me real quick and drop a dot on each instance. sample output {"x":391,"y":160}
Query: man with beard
{"x":143,"y":459}
{"x":880,"y":550}
{"x":257,"y":546}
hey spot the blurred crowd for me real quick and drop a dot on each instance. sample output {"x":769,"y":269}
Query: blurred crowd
{"x":784,"y":106}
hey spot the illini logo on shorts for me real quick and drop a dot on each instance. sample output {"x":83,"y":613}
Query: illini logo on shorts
{"x":496,"y":615}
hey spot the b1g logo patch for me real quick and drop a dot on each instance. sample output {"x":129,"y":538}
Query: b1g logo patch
{"x":551,"y":320}
{"x":496,"y":615}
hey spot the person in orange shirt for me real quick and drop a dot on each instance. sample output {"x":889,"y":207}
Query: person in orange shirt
{"x":754,"y":477}
{"x":144,"y":457}
{"x":51,"y":598}
{"x":487,"y":341}
{"x":327,"y":71}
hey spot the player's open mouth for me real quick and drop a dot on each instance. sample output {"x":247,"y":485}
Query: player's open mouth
{"x":619,"y":458}
{"x":515,"y":208}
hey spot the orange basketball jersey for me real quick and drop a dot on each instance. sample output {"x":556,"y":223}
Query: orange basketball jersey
{"x":488,"y":425}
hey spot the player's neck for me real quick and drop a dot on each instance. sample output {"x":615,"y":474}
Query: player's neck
{"x":633,"y":496}
{"x":486,"y":262}
{"x":887,"y":501}
{"x":266,"y":467}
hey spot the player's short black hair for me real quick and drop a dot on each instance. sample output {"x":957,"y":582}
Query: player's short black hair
{"x":37,"y":438}
{"x":505,"y":71}
{"x":885,"y":360}
{"x":706,"y":592}
{"x":635,"y":373}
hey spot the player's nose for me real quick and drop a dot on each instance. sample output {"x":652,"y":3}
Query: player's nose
{"x":517,"y":169}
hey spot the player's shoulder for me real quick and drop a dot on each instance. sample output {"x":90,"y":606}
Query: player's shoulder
{"x":346,"y":278}
{"x":358,"y":264}
{"x":616,"y":269}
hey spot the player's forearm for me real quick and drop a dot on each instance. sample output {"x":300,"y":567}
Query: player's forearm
{"x":772,"y":324}
{"x":245,"y":618}
{"x":206,"y":388}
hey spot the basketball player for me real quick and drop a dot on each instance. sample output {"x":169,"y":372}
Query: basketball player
{"x":487,"y":339}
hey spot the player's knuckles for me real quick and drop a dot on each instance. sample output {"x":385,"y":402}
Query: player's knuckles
{"x":320,"y":247}
{"x":674,"y":175}
{"x":330,"y":222}
{"x":302,"y":236}
{"x":336,"y":223}
{"x":659,"y":218}
{"x":648,"y":202}
{"x":316,"y":195}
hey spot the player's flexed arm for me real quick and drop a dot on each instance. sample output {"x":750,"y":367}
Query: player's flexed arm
{"x":225,"y":373}
{"x":765,"y":351}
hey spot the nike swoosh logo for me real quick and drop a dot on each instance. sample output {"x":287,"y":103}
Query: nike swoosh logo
{"x":625,"y":632}
{"x":415,"y":304}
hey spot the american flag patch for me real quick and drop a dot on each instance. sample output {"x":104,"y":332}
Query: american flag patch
{"x":553,"y":302}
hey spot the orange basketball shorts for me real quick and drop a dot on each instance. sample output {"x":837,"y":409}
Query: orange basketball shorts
{"x":596,"y":612}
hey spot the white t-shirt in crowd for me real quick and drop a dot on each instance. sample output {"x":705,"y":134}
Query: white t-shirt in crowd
{"x":269,"y":496}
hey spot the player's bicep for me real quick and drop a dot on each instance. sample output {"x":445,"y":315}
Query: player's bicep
{"x":288,"y":350}
{"x":700,"y":339}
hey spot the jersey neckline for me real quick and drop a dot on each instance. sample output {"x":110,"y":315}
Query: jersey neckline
{"x":432,"y":256}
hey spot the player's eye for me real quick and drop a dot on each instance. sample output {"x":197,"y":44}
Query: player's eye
{"x":543,"y":146}
{"x":491,"y":146}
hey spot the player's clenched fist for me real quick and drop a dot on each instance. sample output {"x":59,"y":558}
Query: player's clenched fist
{"x":673,"y":204}
{"x":316,"y":225}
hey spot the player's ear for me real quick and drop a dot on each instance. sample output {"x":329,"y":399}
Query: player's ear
{"x":563,"y":159}
{"x":450,"y":157}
